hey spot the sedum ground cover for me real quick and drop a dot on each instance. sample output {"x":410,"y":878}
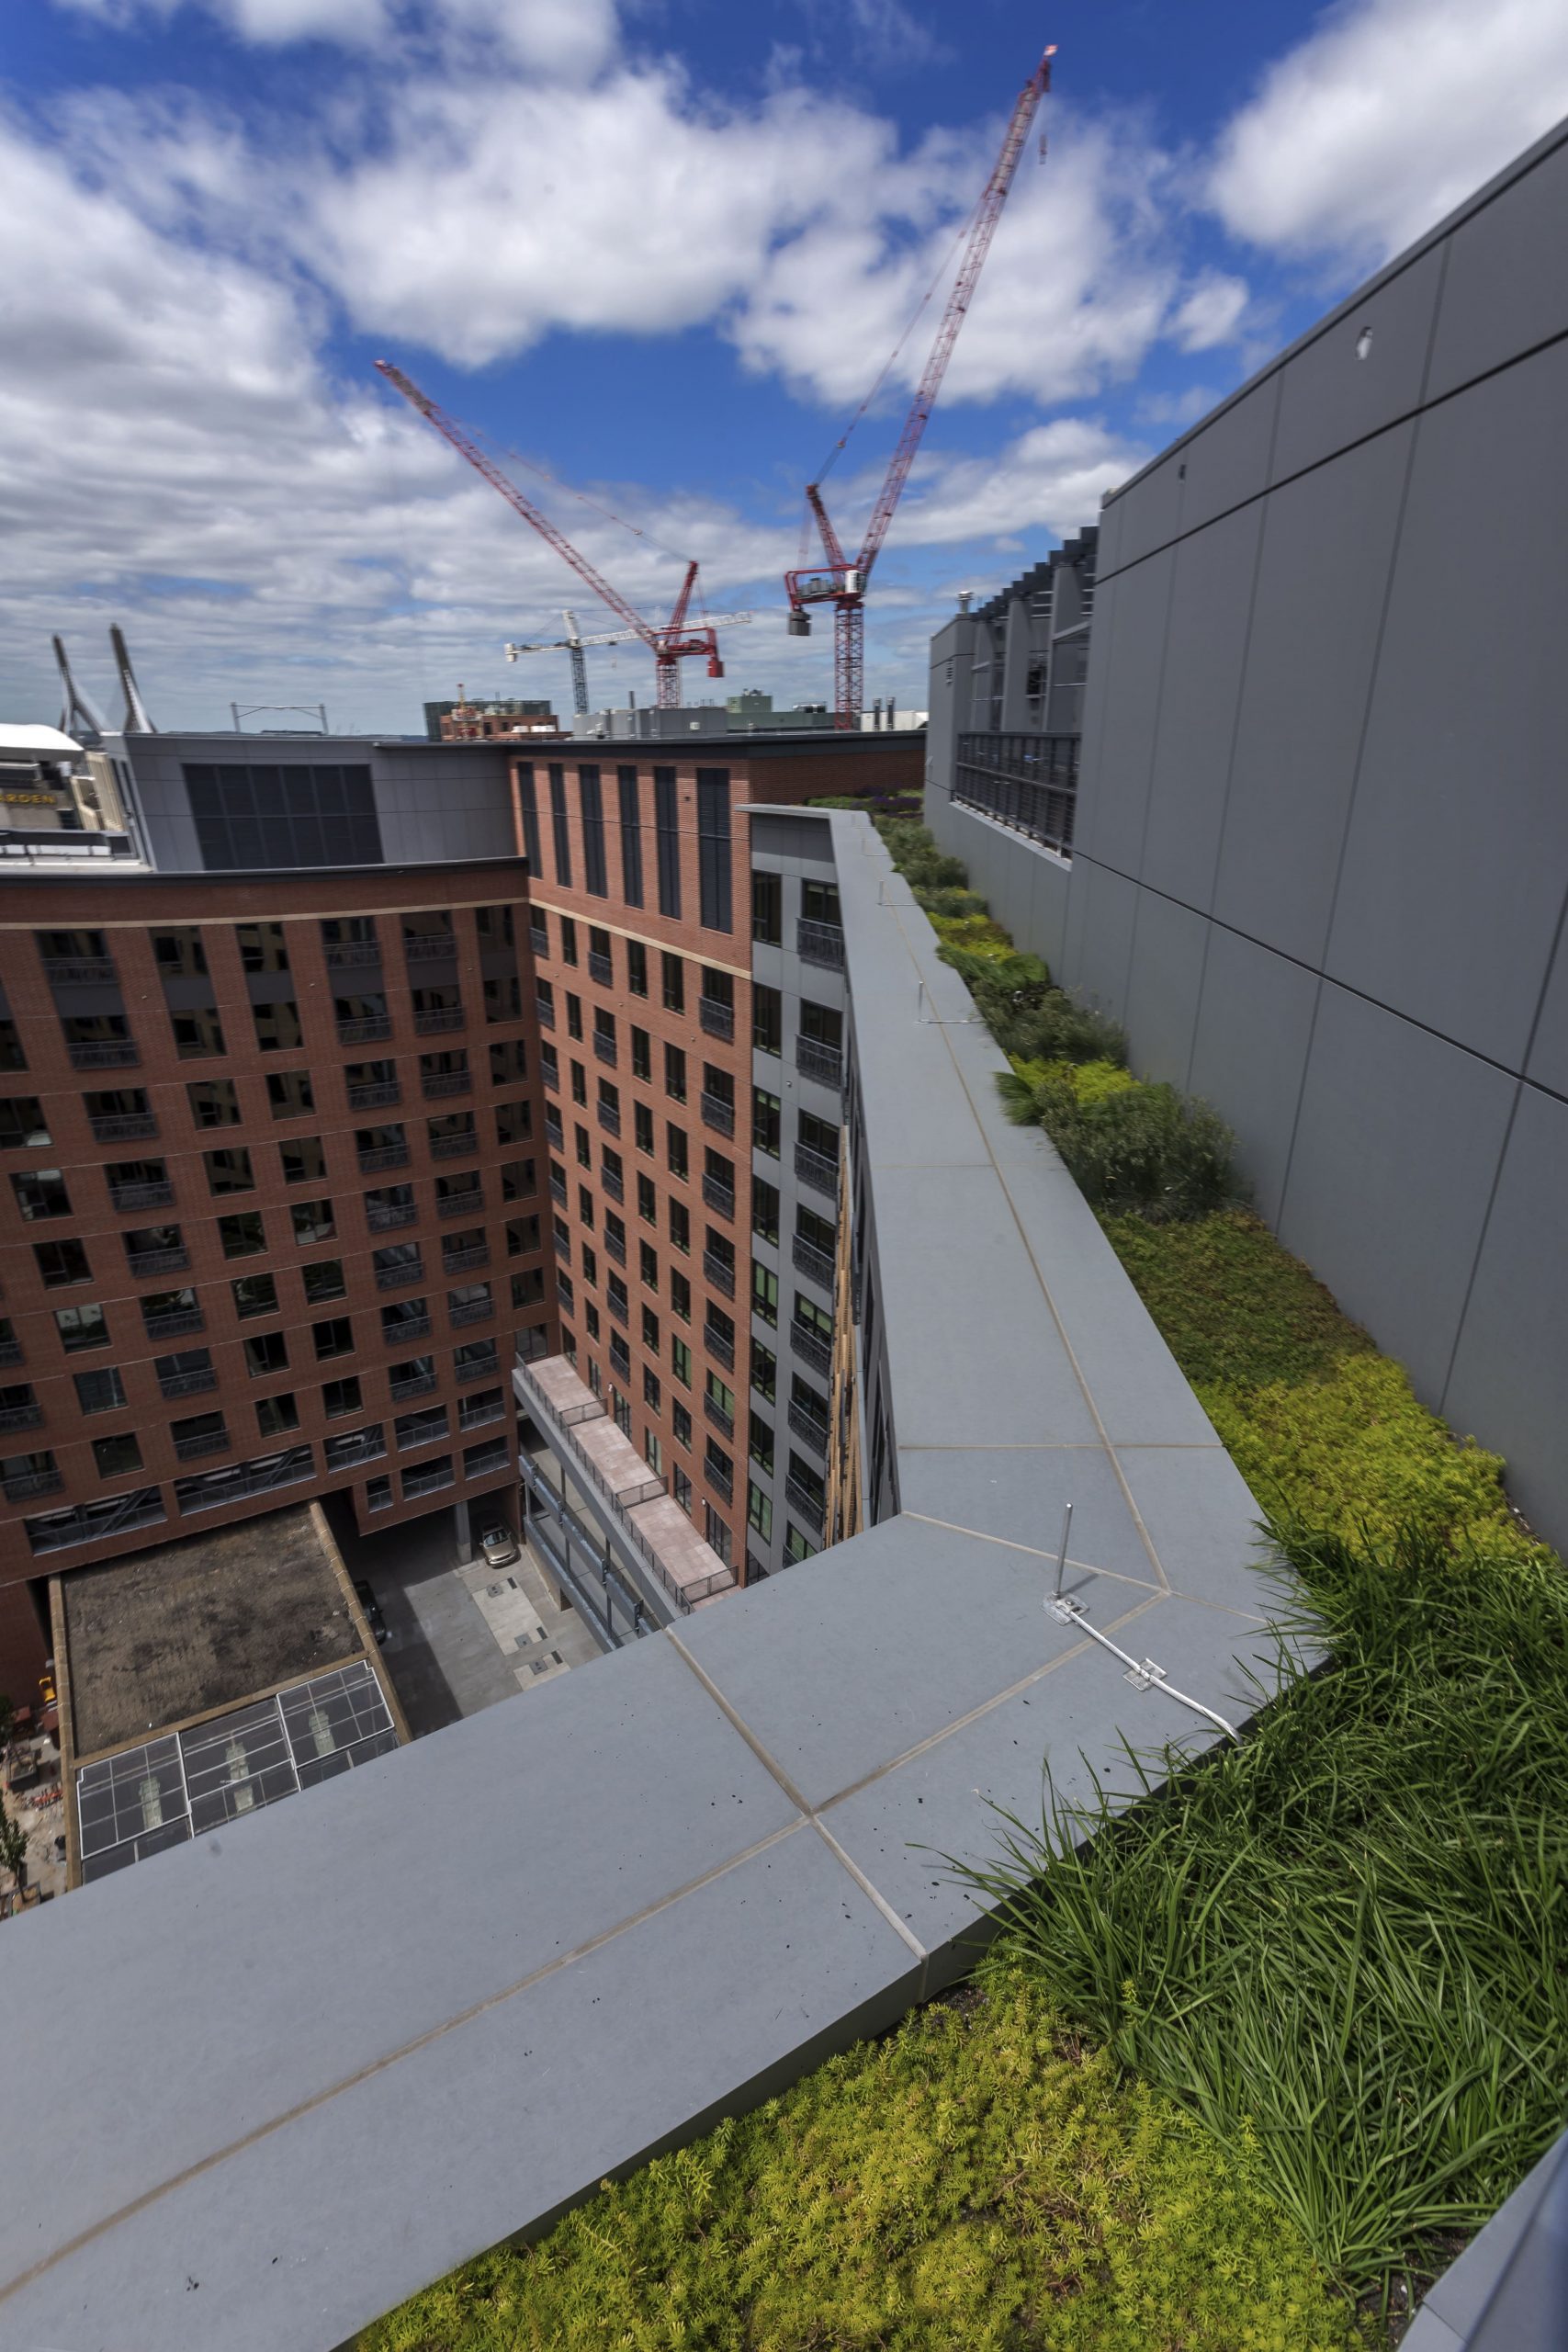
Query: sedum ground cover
{"x":1262,"y":2049}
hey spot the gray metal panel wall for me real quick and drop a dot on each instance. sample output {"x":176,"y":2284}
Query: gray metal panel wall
{"x":1322,"y":846}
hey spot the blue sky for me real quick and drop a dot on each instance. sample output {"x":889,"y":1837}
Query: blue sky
{"x":660,"y":250}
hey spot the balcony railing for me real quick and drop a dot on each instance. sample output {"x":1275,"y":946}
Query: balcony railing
{"x":814,"y":1263}
{"x":85,"y":1525}
{"x":481,"y":1410}
{"x":815,"y":1168}
{"x":449,"y":1081}
{"x":123,"y":1127}
{"x":28,"y":1483}
{"x":21,"y":1417}
{"x":561,"y":1245}
{"x":543,"y":1013}
{"x":472,"y":1310}
{"x":723,"y":1422}
{"x":157,"y":1261}
{"x":118,"y":1053}
{"x":819,"y":943}
{"x":428,"y":1482}
{"x":407,"y":1326}
{"x":719,"y":1196}
{"x":557,"y":1188}
{"x":722,"y":1481}
{"x":11,"y":1351}
{"x":599,"y":969}
{"x":812,"y":1509}
{"x":482,"y":1368}
{"x":614,"y":1247}
{"x":469,"y":1202}
{"x":365,"y":1031}
{"x":824,"y":1063}
{"x":172,"y":1327}
{"x":613,"y":1184}
{"x":191,"y":1449}
{"x":157,"y":1195}
{"x":422,"y":1384}
{"x":348,"y":955}
{"x":384,"y":1154}
{"x":490,"y":1459}
{"x":399,"y":1277}
{"x":454,"y":1146}
{"x":1029,"y":781}
{"x":549,"y":1073}
{"x":717,"y":1113}
{"x":79,"y":970}
{"x":454,"y":1261}
{"x":817,"y":1434}
{"x":188,"y":1383}
{"x":718,"y":1347}
{"x":388,"y":1219}
{"x":442,"y":1017}
{"x":720,"y":1271}
{"x":358,"y":1446}
{"x":609,"y":1118}
{"x":429,"y":946}
{"x":718,"y":1019}
{"x":606,"y":1049}
{"x":371,"y":1098}
{"x":810,"y":1346}
{"x":620,"y":1307}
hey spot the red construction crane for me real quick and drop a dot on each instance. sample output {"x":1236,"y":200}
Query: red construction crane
{"x":841,"y":581}
{"x":668,"y":645}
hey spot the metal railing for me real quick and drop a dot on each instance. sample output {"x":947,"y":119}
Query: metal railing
{"x":171,"y":1327}
{"x":613,"y":1184}
{"x":722,"y":1481}
{"x":824,"y":1063}
{"x":720,"y":1271}
{"x":358,"y":1446}
{"x":476,"y":1253}
{"x":805,"y":1504}
{"x":428,"y":1482}
{"x":250,"y":1479}
{"x":347,"y":954}
{"x":814,"y":1263}
{"x":469,"y":1201}
{"x":606,"y":1049}
{"x":817,"y":1434}
{"x":122,"y":1126}
{"x":614,"y":1247}
{"x":408,"y":1327}
{"x":453,"y":1146}
{"x":810,"y":1346}
{"x":400,"y":1277}
{"x":557,"y":1188}
{"x":28,"y":1483}
{"x":718,"y":1195}
{"x":383,"y":1155}
{"x":815,"y":1168}
{"x":11,"y":1351}
{"x":147,"y":1263}
{"x":441,"y":1017}
{"x":490,"y":1458}
{"x":387,"y":1220}
{"x":188,"y":1383}
{"x":609,"y":1118}
{"x":471,"y":1310}
{"x":191,"y":1449}
{"x":429,"y":946}
{"x":599,"y":969}
{"x":21,"y":1417}
{"x":724,"y":1422}
{"x":717,"y":1113}
{"x":80,"y":970}
{"x":1027,"y":782}
{"x":420,"y":1384}
{"x":619,"y":1306}
{"x":365,"y":1031}
{"x":718,"y":1019}
{"x":819,"y":943}
{"x":120,"y":1053}
{"x":370,"y":1098}
{"x":448,"y":1081}
{"x":719,"y":1347}
{"x":157,"y":1195}
{"x":543,"y":1013}
{"x":479,"y":1411}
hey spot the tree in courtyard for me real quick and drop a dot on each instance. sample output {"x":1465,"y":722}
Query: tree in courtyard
{"x":14,"y":1849}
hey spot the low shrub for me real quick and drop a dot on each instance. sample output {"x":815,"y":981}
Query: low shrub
{"x":950,"y":902}
{"x":1090,"y":1081}
{"x":977,"y":2179}
{"x":1144,"y":1149}
{"x":1338,"y":1944}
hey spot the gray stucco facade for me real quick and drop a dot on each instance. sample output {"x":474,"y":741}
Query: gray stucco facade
{"x":1321,"y":853}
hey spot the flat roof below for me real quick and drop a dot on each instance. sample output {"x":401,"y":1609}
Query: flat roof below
{"x":175,"y":1632}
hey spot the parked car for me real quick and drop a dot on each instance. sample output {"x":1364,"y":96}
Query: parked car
{"x":372,"y":1608}
{"x":499,"y":1547}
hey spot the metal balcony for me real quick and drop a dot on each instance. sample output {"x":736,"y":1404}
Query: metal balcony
{"x":422,"y":1384}
{"x":620,"y":1307}
{"x":159,"y":1195}
{"x":486,"y":1368}
{"x":448,"y":1081}
{"x":805,"y":1505}
{"x":383,"y":1155}
{"x":21,"y":1417}
{"x":349,"y":955}
{"x":1026,"y":781}
{"x":721,"y":1481}
{"x":191,"y":1449}
{"x":428,"y":1482}
{"x":388,"y":1219}
{"x":543,"y":1013}
{"x":723,"y":1422}
{"x":371,"y":1098}
{"x":717,"y":1113}
{"x":454,"y":1146}
{"x":365,"y":1033}
{"x":719,"y":1196}
{"x":476,"y":1254}
{"x":491,"y":1458}
{"x":11,"y":1351}
{"x":479,"y":1411}
{"x":824,"y":1063}
{"x":429,"y":946}
{"x":609,"y":1118}
{"x":124,"y":1126}
{"x":814,"y":1263}
{"x":80,"y":970}
{"x":614,"y":1247}
{"x":558,"y":1188}
{"x":408,"y":1327}
{"x":819,"y":943}
{"x":445,"y":1016}
{"x":813,"y":1168}
{"x":720,"y":1271}
{"x":188,"y":1383}
{"x":399,"y":1277}
{"x":171,"y":1327}
{"x":469,"y":1202}
{"x":120,"y":1053}
{"x":599,"y":969}
{"x":29,"y":1483}
{"x":613,"y":1184}
{"x":817,"y":1434}
{"x":606,"y":1048}
{"x":359,"y":1445}
{"x":157,"y":1261}
{"x":718,"y":1019}
{"x":472,"y":1310}
{"x":718,"y":1347}
{"x":562,"y":1248}
{"x":549,"y":1073}
{"x":810,"y":1346}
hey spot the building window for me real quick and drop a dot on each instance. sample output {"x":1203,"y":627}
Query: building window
{"x":819,"y":903}
{"x":766,"y":1126}
{"x":764,"y":1370}
{"x":340,"y":1397}
{"x":11,"y":1053}
{"x":243,"y":1236}
{"x":82,"y":1327}
{"x":61,"y":1264}
{"x":713,"y":847}
{"x":283,"y":815}
{"x":718,"y":1536}
{"x":291,"y":1093}
{"x":653,"y":1452}
{"x":681,"y":1361}
{"x":229,"y":1170}
{"x":379,"y":1494}
{"x":676,"y":1073}
{"x":567,"y":940}
{"x":334,"y":1337}
{"x":667,"y":830}
{"x":796,"y":1546}
{"x":680,"y":1159}
{"x":269,"y":1353}
{"x":680,"y":1227}
{"x":255,"y":1294}
{"x":767,"y":909}
{"x":760,"y":1512}
{"x":761,"y":1443}
{"x":198,"y":1033}
{"x":21,"y":1123}
{"x":642,"y":1056}
{"x":100,"y":1392}
{"x":214,"y":1102}
{"x":766,"y":1210}
{"x":637,"y":965}
{"x":682,"y":1483}
{"x":323,"y":1282}
{"x":41,"y":1193}
{"x":275,"y":1416}
{"x":560,"y":827}
{"x":528,"y":805}
{"x":764,"y":1293}
{"x":261,"y":947}
{"x":652,"y":1389}
{"x":631,"y":836}
{"x":279,"y":1030}
{"x":767,"y":1020}
{"x":591,"y":803}
{"x":674,"y":983}
{"x":116,"y":1455}
{"x":642,"y":1127}
{"x":313,"y":1222}
{"x":680,"y":1296}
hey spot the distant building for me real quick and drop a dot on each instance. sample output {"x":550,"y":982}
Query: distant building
{"x":480,"y":722}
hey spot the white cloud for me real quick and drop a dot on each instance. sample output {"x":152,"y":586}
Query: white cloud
{"x":1386,"y":118}
{"x":1049,"y":480}
{"x":1211,"y":313}
{"x":555,"y":37}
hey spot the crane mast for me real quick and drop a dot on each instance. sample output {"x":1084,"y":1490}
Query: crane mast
{"x":841,"y":581}
{"x":668,"y":644}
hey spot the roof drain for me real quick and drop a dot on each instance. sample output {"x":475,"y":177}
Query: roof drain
{"x":1147,"y":1675}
